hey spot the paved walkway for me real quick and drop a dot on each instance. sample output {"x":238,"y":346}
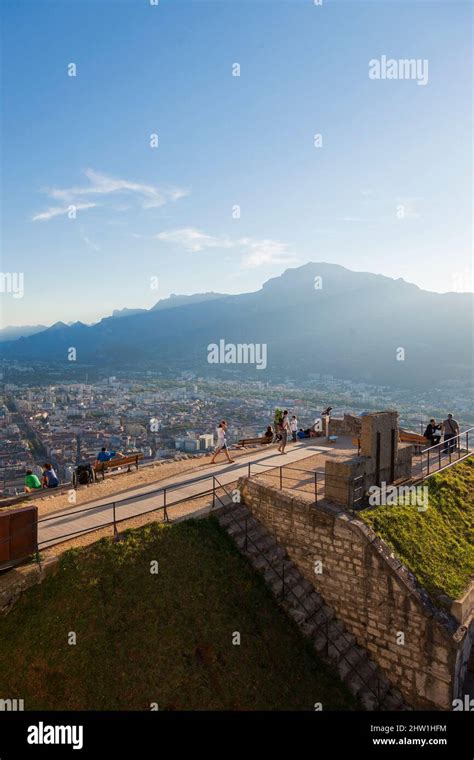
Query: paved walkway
{"x":74,"y":521}
{"x":77,"y":520}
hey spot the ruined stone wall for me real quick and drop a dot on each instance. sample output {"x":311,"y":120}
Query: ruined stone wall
{"x":375,"y":596}
{"x":347,"y":425}
{"x":348,"y":479}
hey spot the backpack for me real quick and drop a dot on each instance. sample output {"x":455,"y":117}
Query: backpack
{"x":83,"y":477}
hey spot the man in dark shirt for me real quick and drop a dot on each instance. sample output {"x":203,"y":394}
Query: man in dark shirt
{"x":433,"y":433}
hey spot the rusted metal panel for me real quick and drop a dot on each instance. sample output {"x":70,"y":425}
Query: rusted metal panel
{"x":18,"y":534}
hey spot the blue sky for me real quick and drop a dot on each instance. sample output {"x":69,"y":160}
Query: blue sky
{"x":166,"y":212}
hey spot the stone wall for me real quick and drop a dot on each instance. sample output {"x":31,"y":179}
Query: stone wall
{"x":346,"y":425}
{"x":19,"y":579}
{"x":420,"y":647}
{"x":347,"y":481}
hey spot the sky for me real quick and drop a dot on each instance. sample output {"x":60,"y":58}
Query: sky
{"x":238,"y":189}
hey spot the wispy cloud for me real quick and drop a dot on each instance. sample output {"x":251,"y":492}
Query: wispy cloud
{"x":254,"y":252}
{"x":90,"y":243}
{"x":101,"y":185}
{"x":52,"y":211}
{"x":194,"y":240}
{"x":260,"y":252}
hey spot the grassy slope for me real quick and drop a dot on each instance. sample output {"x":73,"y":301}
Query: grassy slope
{"x":436,"y":545}
{"x":165,"y":638}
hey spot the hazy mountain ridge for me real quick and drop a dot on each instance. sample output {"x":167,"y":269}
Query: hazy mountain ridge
{"x":13,"y":332}
{"x":349,"y":324}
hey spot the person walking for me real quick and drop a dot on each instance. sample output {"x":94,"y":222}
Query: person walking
{"x":221,"y":443}
{"x":285,"y":429}
{"x":293,"y":428}
{"x":277,"y":426}
{"x":450,"y":430}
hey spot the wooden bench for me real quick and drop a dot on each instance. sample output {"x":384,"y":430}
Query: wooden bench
{"x":404,"y":436}
{"x":114,"y":464}
{"x":251,"y":441}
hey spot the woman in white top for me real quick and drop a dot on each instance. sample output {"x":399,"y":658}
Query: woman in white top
{"x":294,"y":427}
{"x":221,"y":443}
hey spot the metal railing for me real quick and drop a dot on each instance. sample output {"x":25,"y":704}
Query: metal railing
{"x":315,"y":478}
{"x":114,"y":508}
{"x":65,"y":484}
{"x":310,"y":613}
{"x":444,"y":454}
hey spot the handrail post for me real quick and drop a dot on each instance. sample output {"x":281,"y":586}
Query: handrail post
{"x":213,"y":491}
{"x":248,"y":472}
{"x":315,"y":487}
{"x":439,"y":456}
{"x":281,"y":477}
{"x":428,"y":462}
{"x":165,"y":511}
{"x":115,"y":524}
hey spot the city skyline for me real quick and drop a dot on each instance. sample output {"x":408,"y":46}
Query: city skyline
{"x":240,"y":187}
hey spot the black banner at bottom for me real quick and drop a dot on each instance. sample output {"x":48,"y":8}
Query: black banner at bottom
{"x":81,"y":734}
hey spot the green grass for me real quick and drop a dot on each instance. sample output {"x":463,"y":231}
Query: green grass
{"x":166,"y":638}
{"x":436,"y":545}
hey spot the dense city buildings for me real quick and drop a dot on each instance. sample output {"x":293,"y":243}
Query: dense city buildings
{"x":66,"y":421}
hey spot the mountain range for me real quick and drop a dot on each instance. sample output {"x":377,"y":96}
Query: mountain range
{"x":317,"y":318}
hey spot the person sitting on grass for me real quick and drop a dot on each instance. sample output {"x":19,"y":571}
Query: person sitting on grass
{"x":32,"y":482}
{"x":221,"y":443}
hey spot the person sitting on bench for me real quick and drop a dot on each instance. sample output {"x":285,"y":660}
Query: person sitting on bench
{"x":103,"y":455}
